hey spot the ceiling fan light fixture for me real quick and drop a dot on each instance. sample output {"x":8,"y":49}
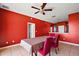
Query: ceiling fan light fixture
{"x":42,"y":9}
{"x":54,"y":16}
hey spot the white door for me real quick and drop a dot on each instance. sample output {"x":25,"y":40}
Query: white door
{"x":31,"y":30}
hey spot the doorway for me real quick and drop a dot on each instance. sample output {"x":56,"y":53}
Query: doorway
{"x":31,"y":30}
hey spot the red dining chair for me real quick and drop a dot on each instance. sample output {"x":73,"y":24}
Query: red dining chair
{"x":46,"y":48}
{"x":55,"y":43}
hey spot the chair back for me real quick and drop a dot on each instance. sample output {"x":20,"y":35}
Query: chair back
{"x":56,"y":40}
{"x":52,"y":34}
{"x":47,"y":46}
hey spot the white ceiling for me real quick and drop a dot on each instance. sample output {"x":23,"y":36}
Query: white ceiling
{"x":61,"y":10}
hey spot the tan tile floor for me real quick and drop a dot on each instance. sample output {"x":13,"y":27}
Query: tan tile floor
{"x":65,"y":50}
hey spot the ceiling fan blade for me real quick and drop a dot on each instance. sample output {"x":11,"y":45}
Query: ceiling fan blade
{"x":36,"y":12}
{"x":44,"y":4}
{"x":47,"y":9}
{"x":35,"y":8}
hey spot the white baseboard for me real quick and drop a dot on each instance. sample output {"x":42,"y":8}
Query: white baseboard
{"x":69,"y":43}
{"x":10,"y":46}
{"x":59,"y":41}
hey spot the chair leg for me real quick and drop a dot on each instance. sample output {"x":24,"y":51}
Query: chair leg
{"x":32,"y":53}
{"x":58,"y":48}
{"x":55,"y":50}
{"x":35,"y":53}
{"x":49,"y":54}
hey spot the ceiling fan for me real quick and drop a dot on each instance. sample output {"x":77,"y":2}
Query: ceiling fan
{"x":42,"y":9}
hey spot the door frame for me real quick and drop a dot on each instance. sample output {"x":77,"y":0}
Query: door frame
{"x":33,"y":24}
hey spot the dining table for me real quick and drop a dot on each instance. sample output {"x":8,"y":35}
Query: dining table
{"x":32,"y":45}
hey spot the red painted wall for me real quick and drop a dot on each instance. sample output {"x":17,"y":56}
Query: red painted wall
{"x":73,"y":35}
{"x":42,"y":27}
{"x":13,"y":26}
{"x":74,"y":27}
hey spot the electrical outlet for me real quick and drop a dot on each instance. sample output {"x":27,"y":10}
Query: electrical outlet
{"x":6,"y":42}
{"x":64,"y":39}
{"x":13,"y":41}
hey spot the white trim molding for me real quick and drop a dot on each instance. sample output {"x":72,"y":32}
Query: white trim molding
{"x":10,"y":46}
{"x":59,"y":41}
{"x":69,"y":43}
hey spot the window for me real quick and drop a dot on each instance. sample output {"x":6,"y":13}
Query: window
{"x":55,"y":28}
{"x":50,"y":29}
{"x":61,"y":29}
